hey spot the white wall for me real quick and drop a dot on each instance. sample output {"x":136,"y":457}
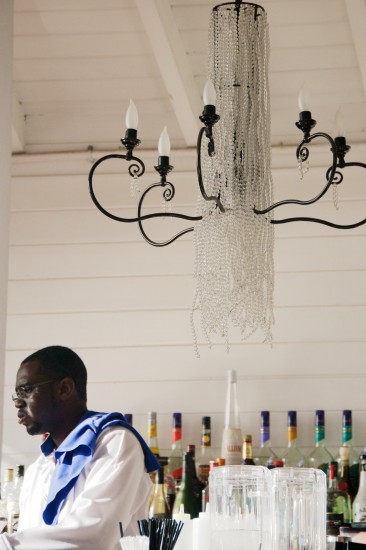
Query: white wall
{"x":79,"y":279}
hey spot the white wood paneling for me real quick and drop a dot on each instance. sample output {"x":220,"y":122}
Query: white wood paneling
{"x":92,"y":284}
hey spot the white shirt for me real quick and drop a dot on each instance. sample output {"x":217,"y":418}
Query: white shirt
{"x":113,"y":487}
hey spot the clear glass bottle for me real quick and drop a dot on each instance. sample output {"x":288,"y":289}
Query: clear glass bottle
{"x":320,"y":457}
{"x":187,"y":494}
{"x":293,"y":457}
{"x":152,"y":434}
{"x":338,"y":502}
{"x":159,"y":507}
{"x":175,"y":460}
{"x":247,"y":451}
{"x":347,"y":439}
{"x":232,"y":437}
{"x":359,"y":504}
{"x":264,"y":456}
{"x":206,"y":454}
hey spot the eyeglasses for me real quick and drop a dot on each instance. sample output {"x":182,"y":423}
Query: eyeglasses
{"x":23,"y":392}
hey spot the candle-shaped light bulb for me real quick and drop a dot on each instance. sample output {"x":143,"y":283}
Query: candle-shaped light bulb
{"x":132,"y":117}
{"x":339,"y":124}
{"x":304,"y":100}
{"x":209,"y":94}
{"x":164,"y":143}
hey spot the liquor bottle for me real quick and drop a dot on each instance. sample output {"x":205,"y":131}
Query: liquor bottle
{"x":232,"y":437}
{"x":320,"y":456}
{"x":293,"y":457}
{"x":8,"y":484}
{"x":159,"y":507}
{"x":175,"y":460}
{"x":353,"y":454}
{"x":187,"y":494}
{"x":338,"y":502}
{"x":206,"y":455}
{"x":129,"y":418}
{"x":206,"y":490}
{"x":152,"y":434}
{"x":359,"y":504}
{"x":265,"y":455}
{"x":344,"y":478}
{"x":248,"y":451}
{"x":12,"y":493}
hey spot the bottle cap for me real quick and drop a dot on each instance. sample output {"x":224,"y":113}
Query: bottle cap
{"x":206,"y":421}
{"x":319,"y":418}
{"x":347,"y":418}
{"x":231,"y":376}
{"x":247,"y":438}
{"x":265,"y":419}
{"x":177,"y":420}
{"x":221,"y":461}
{"x":291,"y":418}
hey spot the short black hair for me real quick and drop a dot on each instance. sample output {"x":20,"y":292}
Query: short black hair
{"x":62,"y":362}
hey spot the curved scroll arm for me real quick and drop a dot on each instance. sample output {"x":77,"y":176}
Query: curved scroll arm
{"x":211,"y":152}
{"x":168,"y":194}
{"x":318,"y":220}
{"x":303,"y":153}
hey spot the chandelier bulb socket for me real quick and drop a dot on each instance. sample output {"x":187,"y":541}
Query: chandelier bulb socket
{"x":341,"y":149}
{"x":305,"y":123}
{"x":163,"y":167}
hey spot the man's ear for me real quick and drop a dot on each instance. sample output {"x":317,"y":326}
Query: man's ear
{"x":66,"y":388}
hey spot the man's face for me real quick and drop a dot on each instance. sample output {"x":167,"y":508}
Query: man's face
{"x":37,"y":407}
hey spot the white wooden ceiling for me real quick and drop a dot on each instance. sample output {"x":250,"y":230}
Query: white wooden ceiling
{"x":78,"y":62}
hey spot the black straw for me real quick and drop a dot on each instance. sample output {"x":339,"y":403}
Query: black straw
{"x":163,"y":533}
{"x":121,"y":529}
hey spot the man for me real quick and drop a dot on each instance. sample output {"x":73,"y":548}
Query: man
{"x":92,"y":473}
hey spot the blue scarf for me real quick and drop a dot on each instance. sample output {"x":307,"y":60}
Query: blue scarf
{"x":76,"y":451}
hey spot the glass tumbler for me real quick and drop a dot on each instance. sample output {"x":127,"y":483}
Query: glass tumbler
{"x":240,"y":508}
{"x":298,"y":509}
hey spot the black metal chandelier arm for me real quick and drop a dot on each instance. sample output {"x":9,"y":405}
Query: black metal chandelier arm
{"x":318,"y":220}
{"x":168,"y":194}
{"x":136,"y":169}
{"x":303,"y":153}
{"x":217,"y":200}
{"x":359,"y":164}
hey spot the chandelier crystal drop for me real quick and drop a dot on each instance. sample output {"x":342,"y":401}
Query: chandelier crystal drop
{"x":234,"y":249}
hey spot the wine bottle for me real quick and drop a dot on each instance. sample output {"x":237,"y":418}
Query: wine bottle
{"x":354,"y":463}
{"x":344,"y":478}
{"x":232,"y":437}
{"x":247,"y":451}
{"x":338,"y":502}
{"x":359,"y":504}
{"x":175,"y":460}
{"x":293,"y":457}
{"x":159,"y":507}
{"x":186,"y":495}
{"x":152,"y":434}
{"x":265,"y":455}
{"x":206,"y":454}
{"x":320,"y":457}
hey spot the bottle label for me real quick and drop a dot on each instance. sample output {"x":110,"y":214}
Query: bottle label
{"x":152,"y":432}
{"x":176,"y":434}
{"x":206,"y":438}
{"x":232,"y":446}
{"x":291,"y":433}
{"x":359,"y":513}
{"x":346,"y":434}
{"x":264,"y":434}
{"x":319,"y":434}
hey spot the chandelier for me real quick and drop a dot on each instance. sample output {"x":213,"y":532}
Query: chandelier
{"x":233,"y":229}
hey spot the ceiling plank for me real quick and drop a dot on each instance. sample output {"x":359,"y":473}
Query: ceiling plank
{"x":171,"y":58}
{"x":17,"y":129}
{"x":357,"y":17}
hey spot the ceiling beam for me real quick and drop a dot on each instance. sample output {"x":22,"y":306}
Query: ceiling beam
{"x":173,"y":64}
{"x":17,"y":127}
{"x":356,"y":11}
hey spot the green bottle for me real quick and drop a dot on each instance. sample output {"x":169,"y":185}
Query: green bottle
{"x":187,"y":494}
